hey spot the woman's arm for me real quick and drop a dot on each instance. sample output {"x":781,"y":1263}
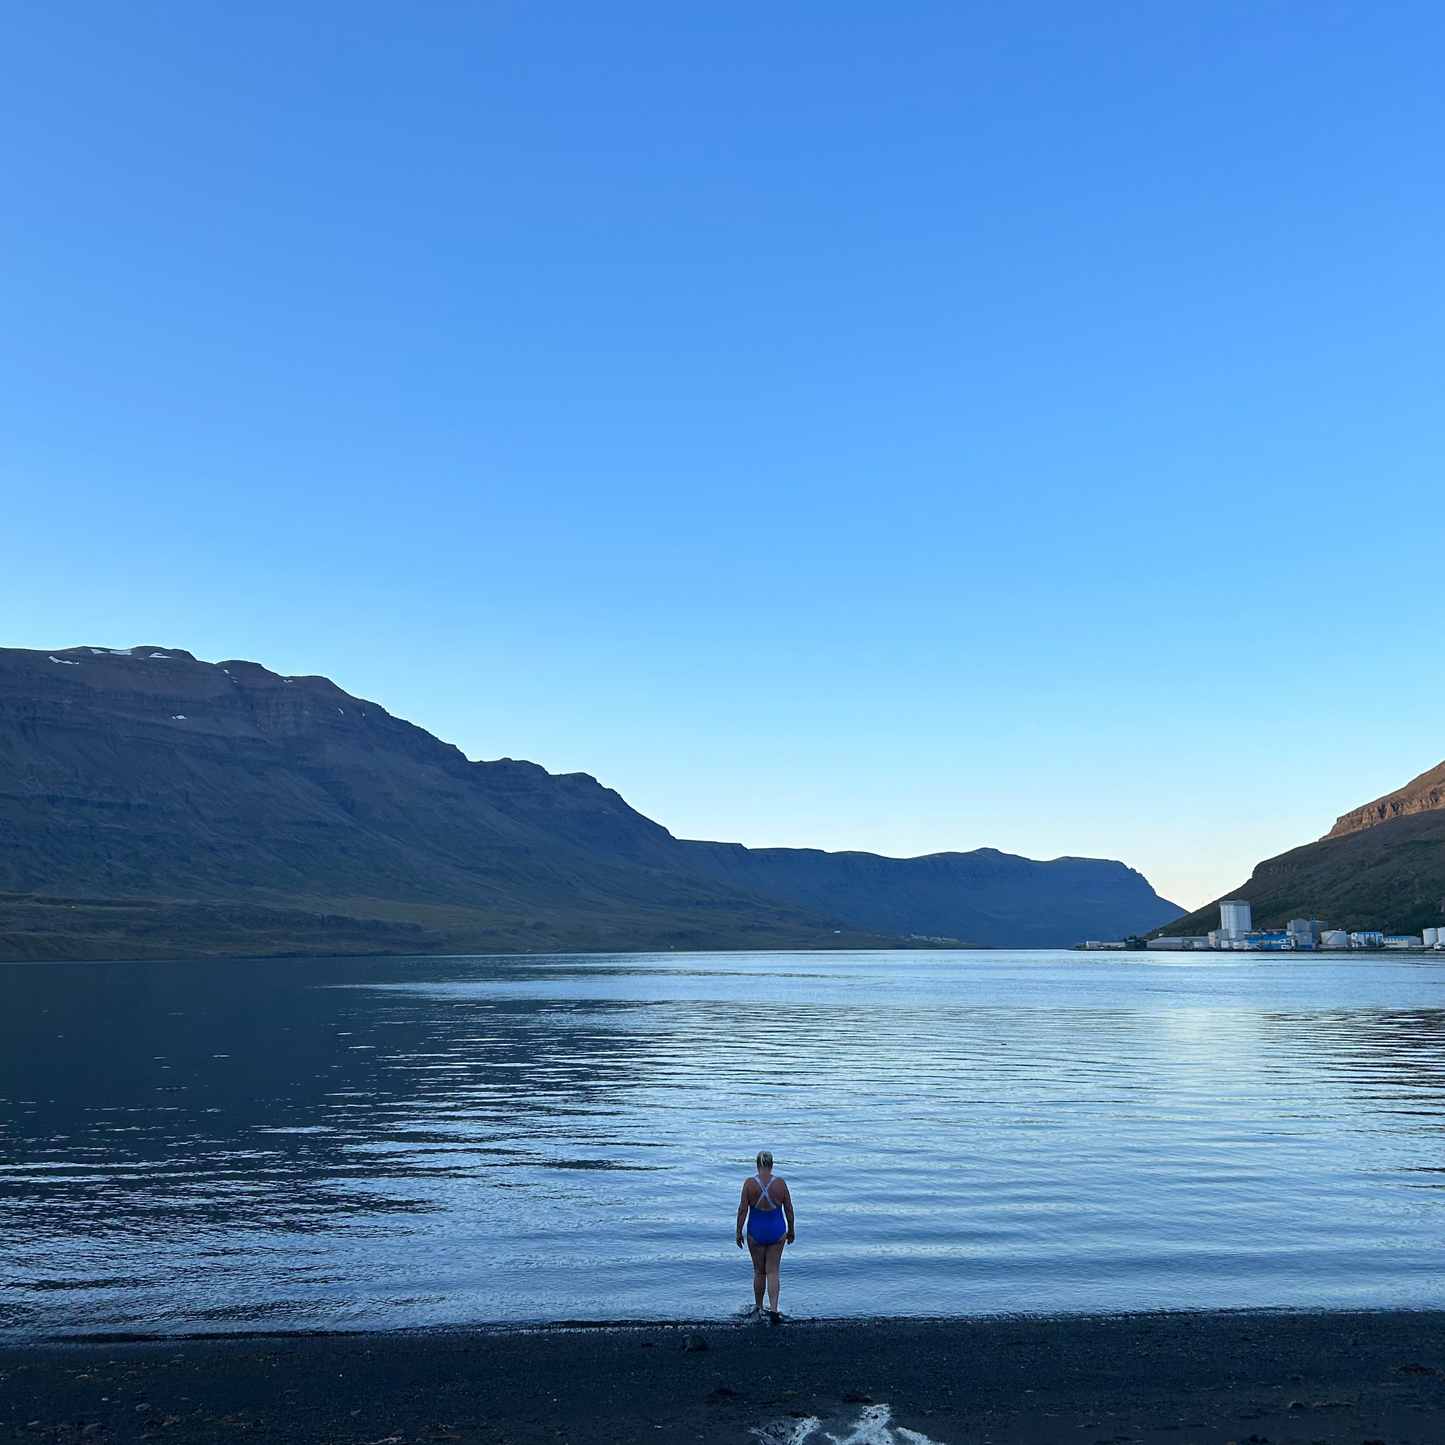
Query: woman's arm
{"x":742,"y":1214}
{"x":788,"y":1209}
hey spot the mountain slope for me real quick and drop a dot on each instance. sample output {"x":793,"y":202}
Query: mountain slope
{"x":154,"y":804}
{"x":148,"y":775}
{"x":1381,"y":867}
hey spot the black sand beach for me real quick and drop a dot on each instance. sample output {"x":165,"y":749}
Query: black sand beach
{"x":1289,"y":1379}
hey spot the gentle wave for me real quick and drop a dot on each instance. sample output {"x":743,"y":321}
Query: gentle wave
{"x":328,"y":1143}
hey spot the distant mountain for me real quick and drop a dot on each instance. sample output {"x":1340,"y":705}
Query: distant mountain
{"x":997,"y":900}
{"x":153,"y":805}
{"x":1382,"y":866}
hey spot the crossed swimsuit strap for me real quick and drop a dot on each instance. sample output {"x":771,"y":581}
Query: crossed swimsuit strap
{"x":764,"y":1195}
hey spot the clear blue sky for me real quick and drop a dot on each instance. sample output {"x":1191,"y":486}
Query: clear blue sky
{"x":903,"y":427}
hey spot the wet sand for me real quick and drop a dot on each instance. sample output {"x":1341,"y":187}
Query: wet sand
{"x":1289,"y":1379}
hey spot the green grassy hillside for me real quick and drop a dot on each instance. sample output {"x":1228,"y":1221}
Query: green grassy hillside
{"x":1390,"y":876}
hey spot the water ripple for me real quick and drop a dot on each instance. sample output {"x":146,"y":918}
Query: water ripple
{"x":326,"y":1143}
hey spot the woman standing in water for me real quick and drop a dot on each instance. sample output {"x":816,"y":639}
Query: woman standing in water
{"x":765,"y":1204}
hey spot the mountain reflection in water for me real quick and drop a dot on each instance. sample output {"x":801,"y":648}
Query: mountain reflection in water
{"x":383,"y":1142}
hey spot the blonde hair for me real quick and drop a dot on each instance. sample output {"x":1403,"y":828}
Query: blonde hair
{"x":765,"y":1159}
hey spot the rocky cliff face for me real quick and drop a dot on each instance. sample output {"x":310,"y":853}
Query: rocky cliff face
{"x":1421,"y":795}
{"x":151,"y":803}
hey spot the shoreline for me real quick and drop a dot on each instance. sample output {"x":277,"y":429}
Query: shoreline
{"x":1289,"y":1377}
{"x":482,"y":1328}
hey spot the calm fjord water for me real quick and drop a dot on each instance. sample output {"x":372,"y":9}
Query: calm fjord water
{"x":389,"y":1142}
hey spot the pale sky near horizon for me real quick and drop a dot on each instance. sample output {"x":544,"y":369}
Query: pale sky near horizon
{"x":840,"y":425}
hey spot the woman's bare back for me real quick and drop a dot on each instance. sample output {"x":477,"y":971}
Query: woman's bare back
{"x":777,"y":1191}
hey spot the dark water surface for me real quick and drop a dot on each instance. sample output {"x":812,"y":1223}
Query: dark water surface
{"x":387,"y":1142}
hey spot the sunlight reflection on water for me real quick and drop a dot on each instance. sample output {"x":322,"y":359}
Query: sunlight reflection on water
{"x":335,"y":1143}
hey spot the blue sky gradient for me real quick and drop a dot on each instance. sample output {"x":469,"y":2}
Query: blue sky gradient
{"x":843,"y":425}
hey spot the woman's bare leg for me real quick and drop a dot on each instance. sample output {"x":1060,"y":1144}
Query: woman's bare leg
{"x":772,"y":1264}
{"x":759,"y":1253}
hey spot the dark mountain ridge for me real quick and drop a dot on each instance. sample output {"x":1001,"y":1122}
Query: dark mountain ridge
{"x":152,"y":804}
{"x":996,"y":899}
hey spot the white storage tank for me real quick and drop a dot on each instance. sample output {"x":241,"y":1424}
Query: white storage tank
{"x":1431,"y":937}
{"x":1235,"y":917}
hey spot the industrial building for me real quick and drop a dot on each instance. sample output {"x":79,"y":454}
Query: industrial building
{"x":1236,"y":933}
{"x":1235,"y":919}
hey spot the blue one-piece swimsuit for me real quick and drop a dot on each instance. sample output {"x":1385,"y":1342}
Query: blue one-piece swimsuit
{"x":765,"y":1226}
